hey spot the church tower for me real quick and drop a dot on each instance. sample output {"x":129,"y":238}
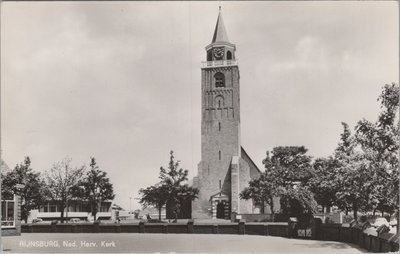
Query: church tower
{"x":222,"y":173}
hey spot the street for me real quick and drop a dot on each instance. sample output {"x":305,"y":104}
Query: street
{"x":140,"y":243}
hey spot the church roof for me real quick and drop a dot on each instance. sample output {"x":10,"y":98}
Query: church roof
{"x":251,"y":163}
{"x":220,"y":32}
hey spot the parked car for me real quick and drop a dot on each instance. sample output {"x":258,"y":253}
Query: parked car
{"x":379,"y":222}
{"x":74,"y":220}
{"x":37,"y":220}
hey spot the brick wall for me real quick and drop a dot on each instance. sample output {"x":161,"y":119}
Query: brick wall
{"x":368,"y":238}
{"x":273,"y":229}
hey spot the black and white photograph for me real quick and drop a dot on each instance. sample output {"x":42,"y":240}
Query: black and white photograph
{"x":200,"y":127}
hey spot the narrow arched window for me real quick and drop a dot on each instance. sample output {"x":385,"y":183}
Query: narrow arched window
{"x":219,"y":79}
{"x":219,"y":126}
{"x":229,"y":55}
{"x":219,"y":101}
{"x":219,"y":155}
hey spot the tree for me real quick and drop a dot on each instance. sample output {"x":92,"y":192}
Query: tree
{"x":95,"y":187}
{"x":173,"y":179}
{"x":355,"y":187}
{"x":369,"y":177}
{"x":290,"y":164}
{"x":291,"y":167}
{"x":263,"y":190}
{"x":380,"y":145}
{"x":287,"y":171}
{"x":32,"y":191}
{"x":171,"y":189}
{"x":61,"y":179}
{"x":298,"y":201}
{"x":154,"y":196}
{"x":348,"y":194}
{"x":324,"y":182}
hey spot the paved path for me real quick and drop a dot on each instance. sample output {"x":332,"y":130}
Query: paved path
{"x":131,"y":242}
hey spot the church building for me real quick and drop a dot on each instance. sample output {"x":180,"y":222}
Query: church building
{"x":225,"y":168}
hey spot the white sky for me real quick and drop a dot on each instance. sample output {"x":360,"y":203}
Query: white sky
{"x":121,"y":81}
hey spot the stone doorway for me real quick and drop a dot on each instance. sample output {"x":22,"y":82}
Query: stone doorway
{"x":220,"y":206}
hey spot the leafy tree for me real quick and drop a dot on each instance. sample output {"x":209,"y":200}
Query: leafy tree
{"x":154,"y":196}
{"x":346,"y":145}
{"x":292,"y":169}
{"x":287,"y":171}
{"x":171,"y":189}
{"x":380,"y":144}
{"x":324,"y":182}
{"x":290,"y":164}
{"x":95,"y":187}
{"x":369,"y":177}
{"x":298,"y":201}
{"x":345,"y":157}
{"x":174,"y":178}
{"x":355,"y":188}
{"x":61,"y":180}
{"x":263,"y":190}
{"x":32,"y":191}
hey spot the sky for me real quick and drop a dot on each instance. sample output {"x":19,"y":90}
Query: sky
{"x":121,"y":81}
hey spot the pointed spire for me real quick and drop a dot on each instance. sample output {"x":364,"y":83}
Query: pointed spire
{"x":220,"y":32}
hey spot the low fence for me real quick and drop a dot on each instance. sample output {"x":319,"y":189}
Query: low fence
{"x":369,"y":238}
{"x":271,"y":229}
{"x":264,"y":217}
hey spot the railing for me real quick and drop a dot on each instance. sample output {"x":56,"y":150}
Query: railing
{"x":220,"y":63}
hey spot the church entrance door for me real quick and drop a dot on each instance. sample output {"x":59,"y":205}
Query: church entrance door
{"x":220,"y":206}
{"x":221,"y":210}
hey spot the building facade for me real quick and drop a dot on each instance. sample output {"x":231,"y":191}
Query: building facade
{"x":225,"y":168}
{"x":79,"y":209}
{"x":10,"y":215}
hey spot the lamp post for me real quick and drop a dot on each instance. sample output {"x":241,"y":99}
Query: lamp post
{"x":66,"y":204}
{"x":96,"y":200}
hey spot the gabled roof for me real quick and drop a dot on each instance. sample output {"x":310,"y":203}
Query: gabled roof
{"x":219,"y":195}
{"x":247,"y":158}
{"x":220,"y":32}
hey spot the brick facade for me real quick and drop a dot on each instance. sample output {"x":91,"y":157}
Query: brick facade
{"x":223,"y":170}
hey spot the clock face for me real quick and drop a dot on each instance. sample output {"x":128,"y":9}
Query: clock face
{"x":218,"y":53}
